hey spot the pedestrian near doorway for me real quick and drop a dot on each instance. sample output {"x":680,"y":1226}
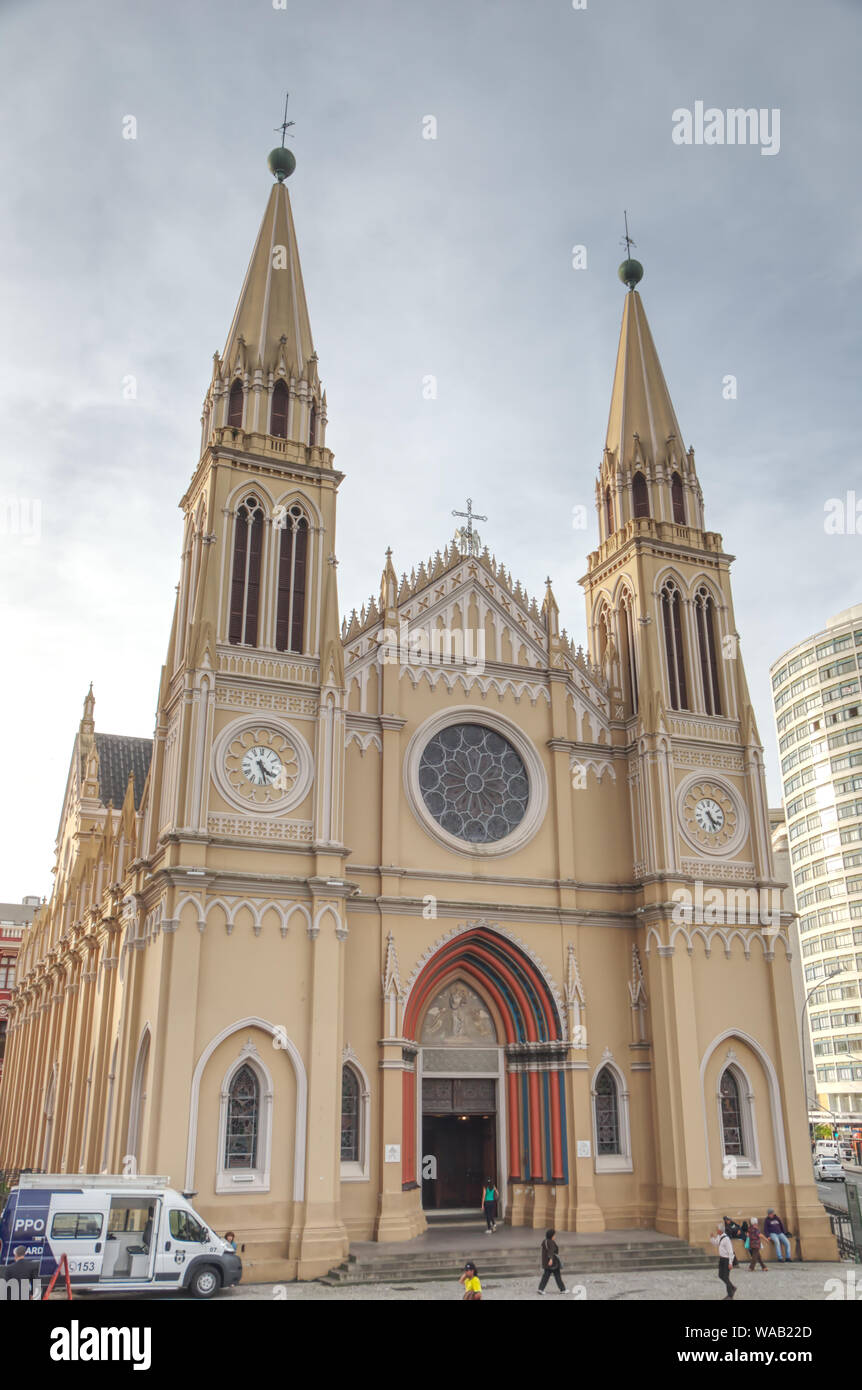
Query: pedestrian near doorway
{"x":722,"y":1240}
{"x":490,"y":1197}
{"x":471,"y":1282}
{"x":754,"y":1241}
{"x":551,"y":1262}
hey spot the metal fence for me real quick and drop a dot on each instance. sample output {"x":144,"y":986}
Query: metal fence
{"x":842,"y":1230}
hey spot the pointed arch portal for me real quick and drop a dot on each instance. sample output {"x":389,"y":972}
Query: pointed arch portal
{"x":529,"y":1106}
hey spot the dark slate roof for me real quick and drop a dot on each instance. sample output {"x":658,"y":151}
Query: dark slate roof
{"x":118,"y":756}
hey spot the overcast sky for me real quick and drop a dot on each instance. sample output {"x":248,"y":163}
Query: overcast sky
{"x":449,"y":257}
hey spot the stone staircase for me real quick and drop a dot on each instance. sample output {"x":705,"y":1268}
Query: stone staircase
{"x":497,"y":1260}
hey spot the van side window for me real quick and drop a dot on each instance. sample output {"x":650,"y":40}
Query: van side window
{"x":184,"y":1227}
{"x":76,"y":1225}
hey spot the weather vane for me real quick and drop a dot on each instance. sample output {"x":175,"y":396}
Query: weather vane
{"x":286,"y":124}
{"x":624,"y":241}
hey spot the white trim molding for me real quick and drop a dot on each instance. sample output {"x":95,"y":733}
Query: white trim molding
{"x":282,"y":1043}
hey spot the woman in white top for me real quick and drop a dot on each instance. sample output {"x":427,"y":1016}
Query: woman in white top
{"x":725,"y":1258}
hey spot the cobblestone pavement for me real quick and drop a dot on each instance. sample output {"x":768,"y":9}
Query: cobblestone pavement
{"x":792,"y":1283}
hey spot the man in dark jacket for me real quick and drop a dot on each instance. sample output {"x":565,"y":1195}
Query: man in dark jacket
{"x":774,"y":1228}
{"x":24,"y":1270}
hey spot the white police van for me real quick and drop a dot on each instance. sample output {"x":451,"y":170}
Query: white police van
{"x":119,"y":1233}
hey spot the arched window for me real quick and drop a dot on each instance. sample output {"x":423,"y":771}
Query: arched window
{"x":704,"y":612}
{"x":138,"y":1097}
{"x":350,"y":1115}
{"x":109,"y":1107}
{"x":603,"y":632}
{"x":235,"y":404}
{"x":731,"y":1115}
{"x":48,"y":1112}
{"x":737,"y":1121}
{"x":278,"y":411}
{"x":243,"y":1119}
{"x":677,"y":498}
{"x":292,"y":564}
{"x":607,"y":1113}
{"x":640,"y":495}
{"x":609,"y":510}
{"x":671,"y":610}
{"x":245,"y":583}
{"x":312,"y":424}
{"x":611,"y":1128}
{"x":629,"y":659}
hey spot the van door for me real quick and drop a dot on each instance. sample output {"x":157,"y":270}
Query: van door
{"x":183,"y":1237}
{"x":76,"y":1228}
{"x":133,"y":1222}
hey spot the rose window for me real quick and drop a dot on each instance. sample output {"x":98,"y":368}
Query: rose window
{"x":474,"y":783}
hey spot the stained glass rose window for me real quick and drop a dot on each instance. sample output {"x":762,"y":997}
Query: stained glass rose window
{"x":474,"y":783}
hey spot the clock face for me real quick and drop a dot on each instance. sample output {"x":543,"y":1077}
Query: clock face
{"x":261,"y":766}
{"x":709,"y":815}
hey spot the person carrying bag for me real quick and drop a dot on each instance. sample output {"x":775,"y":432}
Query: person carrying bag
{"x":551,"y":1262}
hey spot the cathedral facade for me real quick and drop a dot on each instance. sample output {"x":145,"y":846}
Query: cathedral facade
{"x":395,"y":904}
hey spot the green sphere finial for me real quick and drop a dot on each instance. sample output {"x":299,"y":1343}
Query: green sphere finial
{"x":631,"y":272}
{"x":281,"y":162}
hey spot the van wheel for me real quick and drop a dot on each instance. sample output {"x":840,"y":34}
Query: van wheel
{"x":204,"y":1282}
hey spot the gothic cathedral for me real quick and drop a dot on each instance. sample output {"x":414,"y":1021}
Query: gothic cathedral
{"x":395,"y":904}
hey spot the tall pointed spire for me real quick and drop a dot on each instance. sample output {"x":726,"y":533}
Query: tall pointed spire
{"x":640,"y":401}
{"x":266,"y":381}
{"x":271,"y":320}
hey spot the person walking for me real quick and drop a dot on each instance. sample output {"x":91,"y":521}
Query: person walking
{"x":551,"y":1262}
{"x":725,"y":1259}
{"x":774,"y":1228}
{"x":489,"y":1206}
{"x":754,"y":1241}
{"x":472,"y":1285}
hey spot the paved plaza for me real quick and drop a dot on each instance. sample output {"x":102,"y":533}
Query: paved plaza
{"x":792,"y":1284}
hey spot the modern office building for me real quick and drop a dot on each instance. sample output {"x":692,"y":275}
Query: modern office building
{"x":818,"y":715}
{"x":14,"y":917}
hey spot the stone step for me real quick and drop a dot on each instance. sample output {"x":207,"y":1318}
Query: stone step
{"x":575,"y":1254}
{"x":405,"y":1272}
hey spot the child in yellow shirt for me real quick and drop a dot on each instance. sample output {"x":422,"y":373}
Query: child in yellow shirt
{"x":470,"y":1280}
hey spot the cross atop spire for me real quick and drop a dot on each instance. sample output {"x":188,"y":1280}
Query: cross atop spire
{"x":468,"y":538}
{"x":286,"y":124}
{"x":624,"y":241}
